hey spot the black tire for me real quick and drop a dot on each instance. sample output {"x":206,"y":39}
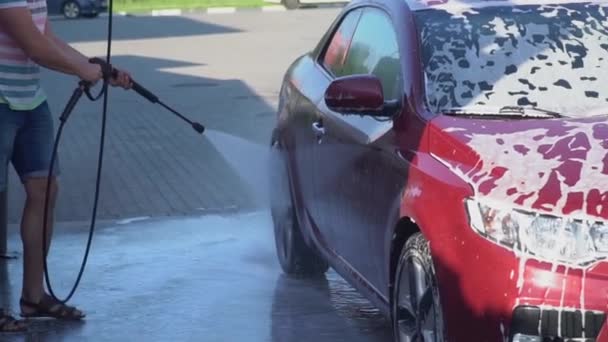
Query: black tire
{"x":71,"y":9}
{"x":295,"y":256}
{"x":416,"y":258}
{"x":291,"y":4}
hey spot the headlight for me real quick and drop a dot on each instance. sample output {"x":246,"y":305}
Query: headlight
{"x":599,"y":234}
{"x":551,"y":238}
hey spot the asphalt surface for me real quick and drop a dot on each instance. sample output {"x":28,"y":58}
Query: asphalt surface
{"x":208,"y":278}
{"x":223,"y":70}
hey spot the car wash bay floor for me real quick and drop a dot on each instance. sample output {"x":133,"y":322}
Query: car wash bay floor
{"x":209,"y":278}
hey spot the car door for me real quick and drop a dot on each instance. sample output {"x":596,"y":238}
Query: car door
{"x":357,"y":175}
{"x":307,"y":129}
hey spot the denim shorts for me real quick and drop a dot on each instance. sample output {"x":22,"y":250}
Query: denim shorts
{"x":26,"y":142}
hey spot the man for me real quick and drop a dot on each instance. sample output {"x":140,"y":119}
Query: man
{"x":26,"y":136}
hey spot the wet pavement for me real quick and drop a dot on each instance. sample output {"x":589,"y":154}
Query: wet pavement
{"x":208,"y":278}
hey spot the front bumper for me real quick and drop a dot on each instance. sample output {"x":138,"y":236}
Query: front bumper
{"x":533,"y":323}
{"x":490,"y":294}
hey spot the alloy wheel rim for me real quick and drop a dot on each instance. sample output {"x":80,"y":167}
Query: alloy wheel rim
{"x":418,"y":314}
{"x":71,"y":10}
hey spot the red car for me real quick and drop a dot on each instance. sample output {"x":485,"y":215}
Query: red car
{"x":450,"y":160}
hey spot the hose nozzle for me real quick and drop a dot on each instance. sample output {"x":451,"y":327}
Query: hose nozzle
{"x":198,"y":127}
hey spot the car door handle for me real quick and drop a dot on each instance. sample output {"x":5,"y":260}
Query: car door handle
{"x":318,"y":128}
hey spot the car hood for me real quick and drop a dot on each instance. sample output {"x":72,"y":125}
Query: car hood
{"x":555,"y":166}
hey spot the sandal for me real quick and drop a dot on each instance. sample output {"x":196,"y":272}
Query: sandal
{"x":9,"y":324}
{"x":48,"y":307}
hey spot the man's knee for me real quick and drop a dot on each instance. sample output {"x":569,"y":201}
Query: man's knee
{"x":36,"y":190}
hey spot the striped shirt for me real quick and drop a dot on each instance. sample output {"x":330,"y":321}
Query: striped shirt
{"x":19,"y":75}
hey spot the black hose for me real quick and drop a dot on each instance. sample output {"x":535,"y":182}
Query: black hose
{"x":98,"y":180}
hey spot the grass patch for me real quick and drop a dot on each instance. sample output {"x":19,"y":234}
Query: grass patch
{"x":148,"y":5}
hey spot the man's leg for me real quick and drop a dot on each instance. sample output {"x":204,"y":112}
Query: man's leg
{"x":32,"y":159}
{"x":31,"y":235}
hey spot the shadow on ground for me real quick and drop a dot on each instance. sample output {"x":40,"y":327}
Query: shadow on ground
{"x":154,"y":164}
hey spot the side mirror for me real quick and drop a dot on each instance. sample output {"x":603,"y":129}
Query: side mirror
{"x":359,"y":94}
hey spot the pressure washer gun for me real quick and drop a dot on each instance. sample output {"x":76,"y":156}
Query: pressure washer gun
{"x":108,"y":72}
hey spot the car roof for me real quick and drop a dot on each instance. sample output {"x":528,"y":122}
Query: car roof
{"x":420,"y":5}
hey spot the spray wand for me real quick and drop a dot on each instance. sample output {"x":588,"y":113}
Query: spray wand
{"x":109,"y":71}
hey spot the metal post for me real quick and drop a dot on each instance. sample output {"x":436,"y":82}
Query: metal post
{"x":4,"y":254}
{"x":3,"y":222}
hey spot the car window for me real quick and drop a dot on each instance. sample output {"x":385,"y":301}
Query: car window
{"x":333,"y":59}
{"x":529,"y":56}
{"x":374,"y":50}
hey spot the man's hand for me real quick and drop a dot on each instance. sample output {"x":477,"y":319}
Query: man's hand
{"x":90,"y":72}
{"x":123,"y":79}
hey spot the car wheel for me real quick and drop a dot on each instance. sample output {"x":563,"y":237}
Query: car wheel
{"x":295,"y":256}
{"x":291,"y":4}
{"x":417,"y":314}
{"x":71,"y":9}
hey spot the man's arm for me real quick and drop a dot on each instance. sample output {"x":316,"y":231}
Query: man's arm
{"x":18,"y":23}
{"x":65,"y":47}
{"x":123,"y":79}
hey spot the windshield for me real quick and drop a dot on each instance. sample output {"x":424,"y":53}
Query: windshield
{"x":550,"y":57}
